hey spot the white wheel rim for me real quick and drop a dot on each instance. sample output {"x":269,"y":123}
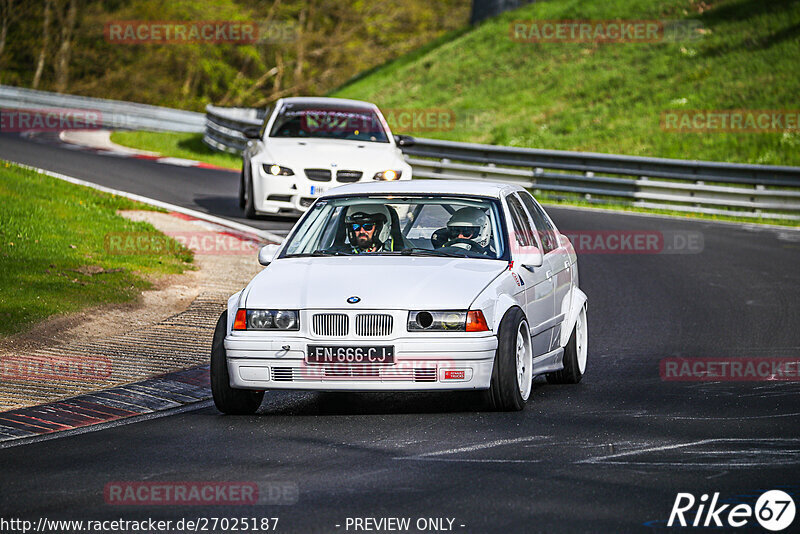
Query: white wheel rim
{"x":581,"y":340}
{"x":524,"y":359}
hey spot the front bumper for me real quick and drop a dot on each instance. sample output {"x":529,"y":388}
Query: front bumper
{"x":421,"y":364}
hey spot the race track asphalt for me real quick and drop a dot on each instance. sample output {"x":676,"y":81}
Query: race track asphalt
{"x":606,"y":455}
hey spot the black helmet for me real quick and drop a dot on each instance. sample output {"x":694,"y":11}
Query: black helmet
{"x":365,"y":215}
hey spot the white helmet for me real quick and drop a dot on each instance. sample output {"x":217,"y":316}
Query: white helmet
{"x":470,"y":221}
{"x":376,"y":213}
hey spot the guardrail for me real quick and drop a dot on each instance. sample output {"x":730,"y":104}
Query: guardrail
{"x":681,"y":185}
{"x":224,"y":127}
{"x":113,"y":114}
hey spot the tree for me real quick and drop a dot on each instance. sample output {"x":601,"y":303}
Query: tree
{"x":66,"y":16}
{"x":37,"y":77}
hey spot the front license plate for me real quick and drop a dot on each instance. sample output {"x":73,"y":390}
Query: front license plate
{"x":317,"y":190}
{"x":328,"y":354}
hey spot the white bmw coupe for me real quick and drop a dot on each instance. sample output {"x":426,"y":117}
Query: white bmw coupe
{"x":309,"y":145}
{"x":407,"y":286}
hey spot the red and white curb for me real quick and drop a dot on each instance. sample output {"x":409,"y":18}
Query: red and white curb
{"x":153,"y":397}
{"x":99,"y":142}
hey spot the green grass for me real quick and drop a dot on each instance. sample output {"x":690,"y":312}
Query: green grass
{"x":177,"y":145}
{"x":608,"y":97}
{"x":53,"y":254}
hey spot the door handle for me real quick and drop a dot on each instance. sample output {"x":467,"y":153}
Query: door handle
{"x":566,"y":264}
{"x":549,"y":274}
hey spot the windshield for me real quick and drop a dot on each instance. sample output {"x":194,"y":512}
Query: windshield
{"x":329,"y":122}
{"x":456,"y":226}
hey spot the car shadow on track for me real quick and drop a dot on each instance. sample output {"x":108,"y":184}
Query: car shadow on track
{"x":357,"y":403}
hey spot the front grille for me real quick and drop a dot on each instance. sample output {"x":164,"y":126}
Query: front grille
{"x":282,"y":374}
{"x":425,"y":374}
{"x":306,"y":201}
{"x":348,"y":176}
{"x":362,"y":371}
{"x":329,"y":324}
{"x":411,"y":372}
{"x":373,"y":324}
{"x":318,"y":175}
{"x":280,"y":198}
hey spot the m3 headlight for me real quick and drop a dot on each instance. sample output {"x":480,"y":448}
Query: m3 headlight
{"x":447,"y":321}
{"x":285,"y":320}
{"x":388,"y":175}
{"x":274,"y":169}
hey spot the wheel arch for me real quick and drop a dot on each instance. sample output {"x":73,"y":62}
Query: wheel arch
{"x":233,"y":306}
{"x":497,"y":298}
{"x":578,"y":301}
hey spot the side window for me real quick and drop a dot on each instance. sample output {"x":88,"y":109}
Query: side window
{"x":546,"y":230}
{"x":522,"y":227}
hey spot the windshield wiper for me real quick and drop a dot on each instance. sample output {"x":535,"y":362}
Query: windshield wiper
{"x":416,"y":251}
{"x":318,"y":253}
{"x":330,"y":253}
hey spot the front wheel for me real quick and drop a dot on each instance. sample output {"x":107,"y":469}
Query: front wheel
{"x":229,"y":400}
{"x":242,"y":195}
{"x":249,"y":200}
{"x":512,"y":373}
{"x":574,"y":354}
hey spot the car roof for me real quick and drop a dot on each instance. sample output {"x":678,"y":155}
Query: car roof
{"x":450,"y":187}
{"x":327,"y":100}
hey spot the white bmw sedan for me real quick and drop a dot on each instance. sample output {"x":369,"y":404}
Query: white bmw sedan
{"x":407,"y":286}
{"x":307,"y":146}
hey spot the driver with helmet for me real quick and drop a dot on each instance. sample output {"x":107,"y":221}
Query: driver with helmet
{"x":469,"y":228}
{"x":368,"y":229}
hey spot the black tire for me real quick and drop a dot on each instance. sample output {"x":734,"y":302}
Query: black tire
{"x":241,"y":189}
{"x":571,"y":373}
{"x":504,"y":394}
{"x":227,"y":399}
{"x":249,"y":201}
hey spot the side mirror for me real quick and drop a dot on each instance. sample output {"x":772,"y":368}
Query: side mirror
{"x":252,"y":132}
{"x":529,"y":257}
{"x":267,"y":253}
{"x":404,"y":140}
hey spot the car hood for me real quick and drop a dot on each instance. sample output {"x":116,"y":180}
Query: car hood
{"x":322,"y":153}
{"x":381,"y":282}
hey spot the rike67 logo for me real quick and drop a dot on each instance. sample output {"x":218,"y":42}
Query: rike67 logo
{"x":774,"y":510}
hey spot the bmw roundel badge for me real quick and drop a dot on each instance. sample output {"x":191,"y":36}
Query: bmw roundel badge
{"x":354,"y":300}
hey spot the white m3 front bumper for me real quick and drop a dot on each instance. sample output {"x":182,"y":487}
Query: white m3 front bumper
{"x":421,"y":363}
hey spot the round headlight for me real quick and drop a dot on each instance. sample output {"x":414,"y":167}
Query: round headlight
{"x":452,"y":320}
{"x":285,"y":320}
{"x":389,"y":175}
{"x":424,"y":319}
{"x":260,"y":319}
{"x":275,"y":170}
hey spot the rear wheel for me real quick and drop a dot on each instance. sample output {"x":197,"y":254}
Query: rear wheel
{"x":229,"y":400}
{"x":574,"y":354}
{"x":512,"y":373}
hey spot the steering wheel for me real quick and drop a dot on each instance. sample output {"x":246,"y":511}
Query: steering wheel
{"x":473,"y":246}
